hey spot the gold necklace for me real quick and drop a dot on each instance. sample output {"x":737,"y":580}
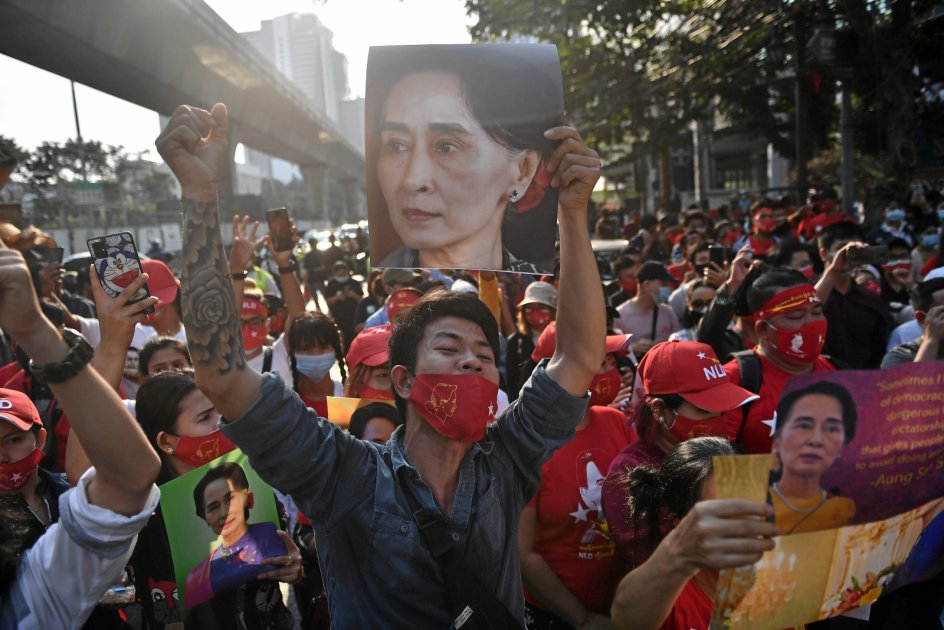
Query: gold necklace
{"x":786,"y":501}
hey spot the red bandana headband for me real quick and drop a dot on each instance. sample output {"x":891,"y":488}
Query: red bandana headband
{"x":254,"y":306}
{"x":787,"y":300}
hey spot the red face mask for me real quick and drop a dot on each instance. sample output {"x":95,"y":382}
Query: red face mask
{"x":629,"y":286}
{"x":808,"y":272}
{"x":277,"y":324}
{"x":14,"y":475}
{"x":538,"y":319}
{"x":198,"y":451}
{"x":457,"y":406}
{"x":803,"y":344}
{"x":730,"y":238}
{"x":372,"y":393}
{"x":604,"y":387}
{"x":254,"y":337}
{"x":685,"y":428}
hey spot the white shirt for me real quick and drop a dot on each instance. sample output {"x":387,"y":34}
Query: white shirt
{"x":280,"y":360}
{"x":61,"y":578}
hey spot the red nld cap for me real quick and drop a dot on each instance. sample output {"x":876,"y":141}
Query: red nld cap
{"x":254,"y":307}
{"x":401,"y":300}
{"x":162,"y":283}
{"x":547,"y":343}
{"x":369,"y":347}
{"x":787,"y":300}
{"x":691,"y":370}
{"x":17,"y":409}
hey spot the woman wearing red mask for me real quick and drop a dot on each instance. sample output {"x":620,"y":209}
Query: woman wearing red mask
{"x":34,"y":491}
{"x":568,"y":559}
{"x":181,"y":424}
{"x":369,"y":364}
{"x":686,"y":392}
{"x":537,"y":309}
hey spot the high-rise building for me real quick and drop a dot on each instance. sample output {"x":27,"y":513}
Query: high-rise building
{"x":302,"y":49}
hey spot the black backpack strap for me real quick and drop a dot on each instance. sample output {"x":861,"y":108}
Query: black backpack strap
{"x":267,"y":359}
{"x":471,"y":605}
{"x":749,"y":366}
{"x":655,"y":322}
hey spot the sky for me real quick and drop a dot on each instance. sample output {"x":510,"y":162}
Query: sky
{"x":36,"y":105}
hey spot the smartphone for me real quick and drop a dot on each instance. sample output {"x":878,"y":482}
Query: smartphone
{"x":53,"y":255}
{"x":280,"y":228}
{"x":117,"y":264}
{"x":718,"y":254}
{"x":875,"y":255}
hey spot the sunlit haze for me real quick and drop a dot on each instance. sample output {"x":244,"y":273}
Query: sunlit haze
{"x":36,"y":105}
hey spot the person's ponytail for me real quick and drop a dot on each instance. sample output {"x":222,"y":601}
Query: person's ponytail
{"x":645,"y":491}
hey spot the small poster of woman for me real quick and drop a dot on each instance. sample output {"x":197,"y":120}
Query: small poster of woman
{"x":221,"y":524}
{"x":456,"y":154}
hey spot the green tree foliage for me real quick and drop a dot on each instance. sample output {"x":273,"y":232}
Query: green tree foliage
{"x":638,"y":71}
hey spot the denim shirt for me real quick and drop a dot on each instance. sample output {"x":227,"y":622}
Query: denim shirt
{"x":377,"y":570}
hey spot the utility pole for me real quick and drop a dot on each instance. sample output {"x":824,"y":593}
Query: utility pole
{"x":802,"y":99}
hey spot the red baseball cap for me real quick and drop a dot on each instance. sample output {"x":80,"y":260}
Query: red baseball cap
{"x":161,"y":280}
{"x":547,"y":343}
{"x":369,"y":347}
{"x":691,"y":370}
{"x":17,"y":409}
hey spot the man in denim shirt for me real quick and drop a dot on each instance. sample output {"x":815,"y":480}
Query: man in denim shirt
{"x":377,"y":569}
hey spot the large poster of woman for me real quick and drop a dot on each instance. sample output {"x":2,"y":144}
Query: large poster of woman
{"x":455,"y":156}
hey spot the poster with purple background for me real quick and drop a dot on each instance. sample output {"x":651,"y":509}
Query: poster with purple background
{"x":878,"y":448}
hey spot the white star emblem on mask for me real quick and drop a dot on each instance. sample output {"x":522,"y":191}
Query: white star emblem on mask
{"x":701,"y":355}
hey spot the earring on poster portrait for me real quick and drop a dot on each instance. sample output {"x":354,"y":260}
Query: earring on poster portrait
{"x":513,"y":199}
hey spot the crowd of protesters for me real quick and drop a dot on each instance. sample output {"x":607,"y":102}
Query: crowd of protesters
{"x":564,"y":478}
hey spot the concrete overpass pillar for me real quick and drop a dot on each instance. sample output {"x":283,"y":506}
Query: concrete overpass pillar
{"x":316,"y":179}
{"x":353,"y":206}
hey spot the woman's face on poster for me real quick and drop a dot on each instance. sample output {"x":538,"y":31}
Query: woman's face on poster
{"x":444,"y":179}
{"x":812,"y":436}
{"x":225,"y":506}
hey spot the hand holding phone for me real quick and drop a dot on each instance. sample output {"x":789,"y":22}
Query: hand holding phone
{"x":876,"y":255}
{"x":117,"y":263}
{"x":280,"y":229}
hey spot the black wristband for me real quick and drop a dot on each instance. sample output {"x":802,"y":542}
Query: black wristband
{"x":290,"y":269}
{"x":239,"y":275}
{"x":80,"y":353}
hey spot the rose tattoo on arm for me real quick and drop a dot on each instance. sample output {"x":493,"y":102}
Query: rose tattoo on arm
{"x":209,"y":308}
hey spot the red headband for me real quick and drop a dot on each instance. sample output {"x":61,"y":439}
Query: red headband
{"x":787,"y":300}
{"x":254,"y":306}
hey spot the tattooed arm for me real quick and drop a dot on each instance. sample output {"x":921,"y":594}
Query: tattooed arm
{"x":194,"y":146}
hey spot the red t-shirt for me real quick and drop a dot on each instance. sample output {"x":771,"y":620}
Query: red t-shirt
{"x":633,"y":540}
{"x":692,"y":610}
{"x":320,"y":406}
{"x":757,"y":431}
{"x":572,"y":534}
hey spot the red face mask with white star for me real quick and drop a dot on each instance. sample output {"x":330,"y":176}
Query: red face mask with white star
{"x":457,"y":406}
{"x":14,"y":475}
